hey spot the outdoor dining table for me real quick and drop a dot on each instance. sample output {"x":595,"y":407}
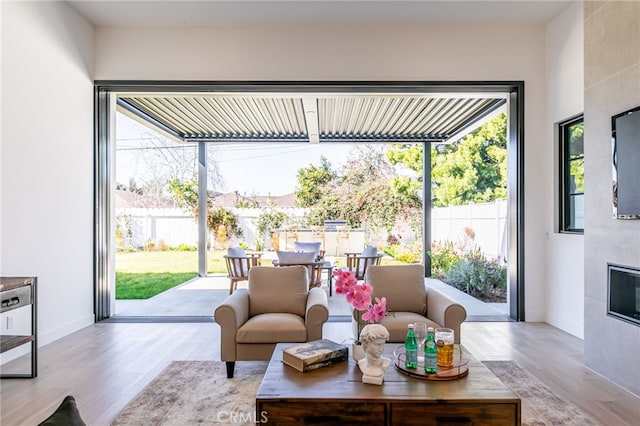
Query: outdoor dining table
{"x":316,"y":273}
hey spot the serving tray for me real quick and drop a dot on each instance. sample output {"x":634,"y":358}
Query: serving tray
{"x":460,"y":367}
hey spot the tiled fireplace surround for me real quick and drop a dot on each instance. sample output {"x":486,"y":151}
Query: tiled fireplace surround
{"x":612,"y":85}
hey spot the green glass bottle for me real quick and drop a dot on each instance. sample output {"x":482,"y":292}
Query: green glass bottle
{"x":411,"y":349}
{"x":430,"y":353}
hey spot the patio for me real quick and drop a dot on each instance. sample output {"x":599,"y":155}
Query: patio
{"x":196,"y":300}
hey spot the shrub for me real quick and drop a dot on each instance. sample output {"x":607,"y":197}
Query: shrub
{"x":271,"y":218}
{"x":478,"y":277}
{"x":185,"y":247}
{"x":391,"y":250}
{"x":224,"y":223}
{"x":406,"y":256}
{"x":443,"y":257}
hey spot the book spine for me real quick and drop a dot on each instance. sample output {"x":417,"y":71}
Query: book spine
{"x":324,"y":356}
{"x":324,"y":363}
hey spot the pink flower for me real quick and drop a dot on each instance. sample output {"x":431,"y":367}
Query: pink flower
{"x":359,"y":296}
{"x":376,"y":312}
{"x":345,"y":281}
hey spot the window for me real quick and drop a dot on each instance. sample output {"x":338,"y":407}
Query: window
{"x":572,"y":175}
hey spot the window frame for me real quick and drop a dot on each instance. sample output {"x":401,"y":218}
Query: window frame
{"x":566,"y":213}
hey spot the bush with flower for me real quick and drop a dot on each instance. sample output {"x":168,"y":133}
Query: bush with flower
{"x":359,"y":296}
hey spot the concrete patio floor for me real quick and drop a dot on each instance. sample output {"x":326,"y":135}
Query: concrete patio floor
{"x":200,"y":296}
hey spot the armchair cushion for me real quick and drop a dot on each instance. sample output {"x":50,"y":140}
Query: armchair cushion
{"x":270,"y":328}
{"x":402,"y":285}
{"x":275,"y":290}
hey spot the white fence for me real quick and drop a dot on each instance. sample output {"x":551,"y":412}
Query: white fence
{"x":174,"y":227}
{"x":488,"y":222}
{"x":170,"y":226}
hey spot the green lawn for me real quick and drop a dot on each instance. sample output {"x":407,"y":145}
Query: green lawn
{"x":143,"y":285}
{"x":143,"y":274}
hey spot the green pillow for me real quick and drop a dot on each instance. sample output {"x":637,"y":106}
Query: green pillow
{"x":66,"y":414}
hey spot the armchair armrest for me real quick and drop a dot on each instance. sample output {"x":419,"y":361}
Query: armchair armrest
{"x":317,"y":313}
{"x":231,"y":315}
{"x":444,"y":310}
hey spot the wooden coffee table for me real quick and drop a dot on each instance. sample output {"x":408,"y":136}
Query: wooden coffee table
{"x":336,"y":395}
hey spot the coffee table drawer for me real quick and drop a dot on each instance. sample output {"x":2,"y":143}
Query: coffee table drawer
{"x":321,"y":413}
{"x":426,"y":414}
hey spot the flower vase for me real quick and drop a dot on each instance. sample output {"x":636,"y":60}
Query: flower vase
{"x":357,"y":352}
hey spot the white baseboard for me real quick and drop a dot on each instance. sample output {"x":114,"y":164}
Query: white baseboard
{"x":48,"y":337}
{"x":565,"y":325}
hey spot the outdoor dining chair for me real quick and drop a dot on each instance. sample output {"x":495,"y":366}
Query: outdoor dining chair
{"x":238,"y":265}
{"x":358,"y":263}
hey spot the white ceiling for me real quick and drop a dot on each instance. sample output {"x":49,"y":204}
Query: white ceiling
{"x":119,"y":13}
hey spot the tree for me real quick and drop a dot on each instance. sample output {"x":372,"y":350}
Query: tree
{"x":185,"y":193}
{"x":132,"y":187}
{"x":311,"y":180}
{"x":270,"y":218}
{"x":361,"y":192}
{"x":473,"y":170}
{"x":219,"y":220}
{"x":410,"y":156}
{"x":157,"y":160}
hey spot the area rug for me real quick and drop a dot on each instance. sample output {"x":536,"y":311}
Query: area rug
{"x":540,"y":406}
{"x":196,"y":393}
{"x":199,"y":393}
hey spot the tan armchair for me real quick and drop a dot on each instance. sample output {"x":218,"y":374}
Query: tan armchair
{"x":409,"y":300}
{"x":278,"y":307}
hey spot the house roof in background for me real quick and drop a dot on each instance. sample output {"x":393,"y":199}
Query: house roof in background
{"x":128,"y":199}
{"x":232,"y":199}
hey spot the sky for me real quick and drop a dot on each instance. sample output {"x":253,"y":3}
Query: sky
{"x":250,"y":169}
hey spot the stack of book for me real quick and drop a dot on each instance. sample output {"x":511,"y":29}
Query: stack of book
{"x":311,"y":355}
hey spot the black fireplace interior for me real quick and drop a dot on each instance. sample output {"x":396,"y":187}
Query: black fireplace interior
{"x":623,"y":293}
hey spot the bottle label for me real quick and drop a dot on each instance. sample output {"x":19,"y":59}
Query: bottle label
{"x":412,"y":358}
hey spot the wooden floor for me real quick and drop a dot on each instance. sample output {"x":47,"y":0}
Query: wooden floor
{"x":105,"y":365}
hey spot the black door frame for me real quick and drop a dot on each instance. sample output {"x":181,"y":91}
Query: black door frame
{"x":104,"y":107}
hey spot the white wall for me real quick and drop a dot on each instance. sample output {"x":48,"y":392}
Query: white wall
{"x":47,"y":80}
{"x":564,"y":253}
{"x":47,"y":160}
{"x":356,"y":53}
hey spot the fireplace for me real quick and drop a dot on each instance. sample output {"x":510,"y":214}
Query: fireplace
{"x":623,"y":293}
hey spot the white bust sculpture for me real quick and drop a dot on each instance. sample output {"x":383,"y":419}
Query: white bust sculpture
{"x":373,"y":365}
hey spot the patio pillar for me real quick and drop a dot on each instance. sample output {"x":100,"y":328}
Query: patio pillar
{"x":202,"y":209}
{"x":426,"y":207}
